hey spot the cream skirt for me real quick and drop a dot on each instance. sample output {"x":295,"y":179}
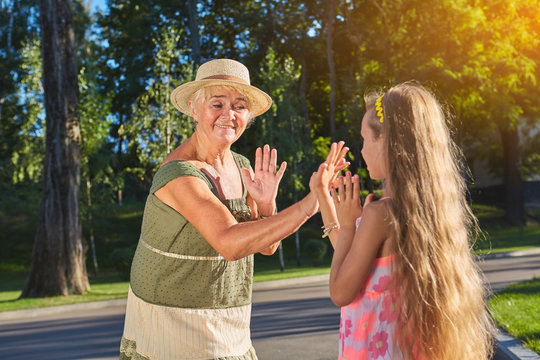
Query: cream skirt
{"x":161,"y":332}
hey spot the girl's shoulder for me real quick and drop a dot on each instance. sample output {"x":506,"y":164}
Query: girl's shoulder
{"x":378,"y":215}
{"x":379,"y":209}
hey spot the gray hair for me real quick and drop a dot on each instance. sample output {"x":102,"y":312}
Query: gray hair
{"x":203,"y":94}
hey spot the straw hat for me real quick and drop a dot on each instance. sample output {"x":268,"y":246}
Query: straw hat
{"x":221,"y":72}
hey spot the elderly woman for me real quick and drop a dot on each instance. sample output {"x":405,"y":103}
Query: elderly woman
{"x":206,"y":215}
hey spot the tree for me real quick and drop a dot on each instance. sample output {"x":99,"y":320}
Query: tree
{"x":481,"y":60}
{"x":285,"y":129}
{"x":58,"y":260}
{"x":157,"y":127}
{"x":27,"y":152}
{"x":17,"y":33}
{"x":331,"y":64}
{"x":94,"y":109}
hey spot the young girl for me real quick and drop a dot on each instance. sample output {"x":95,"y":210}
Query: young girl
{"x":402,"y":270}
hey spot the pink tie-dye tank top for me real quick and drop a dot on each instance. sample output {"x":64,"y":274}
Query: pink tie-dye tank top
{"x":367,"y":325}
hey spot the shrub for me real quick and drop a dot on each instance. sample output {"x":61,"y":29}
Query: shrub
{"x":316,"y":249}
{"x":121,"y":259}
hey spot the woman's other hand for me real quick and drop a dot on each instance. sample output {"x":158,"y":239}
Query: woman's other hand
{"x":347,"y":199}
{"x":262,"y":183}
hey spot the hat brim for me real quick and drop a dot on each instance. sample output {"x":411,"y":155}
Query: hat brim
{"x":259,"y":101}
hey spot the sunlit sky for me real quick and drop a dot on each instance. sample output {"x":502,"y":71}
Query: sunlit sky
{"x":96,"y":5}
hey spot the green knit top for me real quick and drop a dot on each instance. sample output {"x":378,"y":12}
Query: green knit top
{"x":174,"y":265}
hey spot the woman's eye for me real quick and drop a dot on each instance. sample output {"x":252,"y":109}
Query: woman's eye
{"x":217,"y":106}
{"x":239,"y":107}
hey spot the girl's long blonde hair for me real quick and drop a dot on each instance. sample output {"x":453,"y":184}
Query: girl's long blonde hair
{"x":441,"y":293}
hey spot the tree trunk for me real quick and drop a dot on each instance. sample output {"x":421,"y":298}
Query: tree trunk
{"x":194,"y":32}
{"x":119,"y":140}
{"x":331,"y":65}
{"x":8,"y":50}
{"x":90,"y":224}
{"x":303,"y":90}
{"x":514,"y":187}
{"x":168,"y":131}
{"x":280,"y":255}
{"x":58,"y":259}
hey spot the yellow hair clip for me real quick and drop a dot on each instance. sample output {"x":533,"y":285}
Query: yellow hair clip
{"x":379,"y":109}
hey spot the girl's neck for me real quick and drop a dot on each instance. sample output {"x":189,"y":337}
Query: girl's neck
{"x":387,"y":191}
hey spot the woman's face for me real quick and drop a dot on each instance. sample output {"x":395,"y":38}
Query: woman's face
{"x":373,"y":149}
{"x":222,"y":115}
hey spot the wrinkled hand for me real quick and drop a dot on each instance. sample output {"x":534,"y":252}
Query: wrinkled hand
{"x":347,"y":199}
{"x":263,"y":183}
{"x":328,"y":170}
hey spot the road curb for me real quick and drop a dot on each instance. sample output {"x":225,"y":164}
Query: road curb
{"x":273,"y":284}
{"x":508,"y":254}
{"x":511,"y":348}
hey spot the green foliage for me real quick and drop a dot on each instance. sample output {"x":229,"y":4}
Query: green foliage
{"x":157,"y":127}
{"x":283,"y":127}
{"x":28,"y":152}
{"x":316,"y":249}
{"x":122,"y":258}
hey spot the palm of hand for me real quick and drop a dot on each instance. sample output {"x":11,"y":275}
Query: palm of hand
{"x":264,"y":186}
{"x":263,"y":183}
{"x":323,"y":177}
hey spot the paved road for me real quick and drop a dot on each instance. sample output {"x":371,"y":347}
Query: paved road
{"x":293,"y":321}
{"x":501,"y":272}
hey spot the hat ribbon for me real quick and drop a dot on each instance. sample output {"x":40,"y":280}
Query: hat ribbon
{"x":226,"y":77}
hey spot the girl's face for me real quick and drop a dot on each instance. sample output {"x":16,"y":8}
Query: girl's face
{"x":373,"y":149}
{"x":222,"y":116}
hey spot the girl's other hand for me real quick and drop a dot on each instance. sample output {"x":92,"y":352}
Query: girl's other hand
{"x":347,"y":199}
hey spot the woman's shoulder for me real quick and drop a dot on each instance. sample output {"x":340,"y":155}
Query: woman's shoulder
{"x":174,"y":169}
{"x":241,"y":160}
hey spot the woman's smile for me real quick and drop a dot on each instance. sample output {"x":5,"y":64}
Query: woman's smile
{"x":227,"y":127}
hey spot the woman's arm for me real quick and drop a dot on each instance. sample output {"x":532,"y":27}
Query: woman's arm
{"x":192,"y":198}
{"x":321,"y":181}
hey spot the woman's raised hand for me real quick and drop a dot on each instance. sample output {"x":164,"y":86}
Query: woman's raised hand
{"x":328,"y":170}
{"x":347,"y":199}
{"x":263,"y":182}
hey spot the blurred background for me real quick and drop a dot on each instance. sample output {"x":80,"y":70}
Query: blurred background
{"x":315,"y":58}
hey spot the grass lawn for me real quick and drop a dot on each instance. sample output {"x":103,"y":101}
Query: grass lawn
{"x":102,"y":288}
{"x":499,"y":237}
{"x":517,"y":310}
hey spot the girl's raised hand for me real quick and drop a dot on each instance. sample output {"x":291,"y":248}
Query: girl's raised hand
{"x":263,"y":183}
{"x":328,"y":170}
{"x":347,"y":199}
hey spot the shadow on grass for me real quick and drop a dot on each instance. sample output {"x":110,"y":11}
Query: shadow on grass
{"x":8,"y":301}
{"x":529,"y":287}
{"x":12,"y":281}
